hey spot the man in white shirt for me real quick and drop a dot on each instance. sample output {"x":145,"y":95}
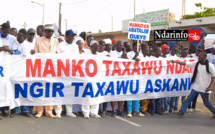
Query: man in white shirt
{"x":67,"y":47}
{"x":192,"y":106}
{"x":156,"y":103}
{"x":7,"y":39}
{"x":203,"y":77}
{"x":92,"y":110}
{"x":184,"y":56}
{"x":127,"y":46}
{"x":164,"y":101}
{"x":133,"y":55}
{"x":21,"y":47}
{"x":31,"y":38}
{"x":144,"y":51}
{"x":109,"y":45}
{"x":118,"y":53}
{"x":101,"y":49}
{"x":173,"y":105}
{"x":173,"y":52}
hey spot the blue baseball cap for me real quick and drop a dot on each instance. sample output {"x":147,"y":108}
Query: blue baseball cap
{"x":70,"y":32}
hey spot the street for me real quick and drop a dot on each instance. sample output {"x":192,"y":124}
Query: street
{"x":197,"y":123}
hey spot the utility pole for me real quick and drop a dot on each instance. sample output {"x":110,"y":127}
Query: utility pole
{"x":112,"y":21}
{"x":65,"y":24}
{"x":60,"y":15}
{"x":43,"y":5}
{"x":43,"y":13}
{"x":134,"y":8}
{"x":183,"y":9}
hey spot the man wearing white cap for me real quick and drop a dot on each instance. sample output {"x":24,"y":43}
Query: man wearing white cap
{"x":108,"y":47}
{"x":92,"y":110}
{"x":46,"y":44}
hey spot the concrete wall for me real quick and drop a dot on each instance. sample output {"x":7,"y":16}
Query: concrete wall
{"x":122,"y":37}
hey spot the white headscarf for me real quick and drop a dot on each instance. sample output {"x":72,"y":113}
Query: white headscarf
{"x":93,"y":42}
{"x":77,"y":39}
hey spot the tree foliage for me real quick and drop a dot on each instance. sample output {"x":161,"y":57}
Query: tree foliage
{"x":207,"y":11}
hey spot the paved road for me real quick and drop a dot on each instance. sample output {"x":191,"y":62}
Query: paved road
{"x":195,"y":123}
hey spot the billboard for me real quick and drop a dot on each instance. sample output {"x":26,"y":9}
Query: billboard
{"x":156,"y":18}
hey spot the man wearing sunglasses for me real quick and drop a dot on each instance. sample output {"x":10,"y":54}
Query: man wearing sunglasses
{"x":46,"y":44}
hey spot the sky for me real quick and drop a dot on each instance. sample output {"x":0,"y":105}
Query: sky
{"x":88,"y":15}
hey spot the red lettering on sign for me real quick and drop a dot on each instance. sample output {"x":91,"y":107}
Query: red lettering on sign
{"x":32,"y":70}
{"x":178,"y":68}
{"x":159,"y":69}
{"x":139,"y":25}
{"x":87,"y":68}
{"x":60,"y":66}
{"x":77,"y":67}
{"x":170,"y":67}
{"x":136,"y":68}
{"x":191,"y":68}
{"x":107,"y":64}
{"x":127,"y":69}
{"x":48,"y":65}
{"x":116,"y":69}
{"x":146,"y":66}
{"x":146,"y":26}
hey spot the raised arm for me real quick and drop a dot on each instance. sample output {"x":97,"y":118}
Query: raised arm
{"x":179,"y":62}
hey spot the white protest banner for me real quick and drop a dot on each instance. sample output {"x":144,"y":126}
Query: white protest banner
{"x":55,"y":79}
{"x":139,"y":31}
{"x":5,"y":86}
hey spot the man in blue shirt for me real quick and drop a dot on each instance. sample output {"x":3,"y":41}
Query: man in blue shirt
{"x":7,"y":39}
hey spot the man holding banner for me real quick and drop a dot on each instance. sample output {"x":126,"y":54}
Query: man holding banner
{"x":67,"y":47}
{"x":92,"y":110}
{"x":133,"y":55}
{"x":202,"y":79}
{"x":20,"y":47}
{"x":46,"y":44}
{"x":118,"y":53}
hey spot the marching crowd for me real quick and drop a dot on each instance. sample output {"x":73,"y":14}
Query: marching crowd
{"x":41,"y":41}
